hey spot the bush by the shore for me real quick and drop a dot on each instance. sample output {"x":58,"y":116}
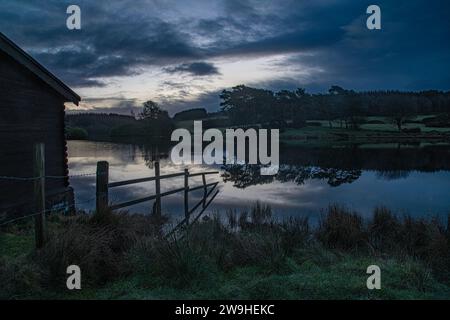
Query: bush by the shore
{"x":76,"y":133}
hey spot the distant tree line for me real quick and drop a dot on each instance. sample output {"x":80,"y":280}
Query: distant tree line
{"x":191,"y":114}
{"x":151,"y":123}
{"x":243,"y":105}
{"x":97,"y":125}
{"x":246,"y":105}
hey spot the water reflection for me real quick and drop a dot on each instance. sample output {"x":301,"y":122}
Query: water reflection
{"x":243,"y":176}
{"x":413,"y":179}
{"x":128,"y":162}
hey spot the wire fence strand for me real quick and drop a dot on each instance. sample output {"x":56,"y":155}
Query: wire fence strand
{"x":65,"y":208}
{"x":47,"y":177}
{"x":19,"y":218}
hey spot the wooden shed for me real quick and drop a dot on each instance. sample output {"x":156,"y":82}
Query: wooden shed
{"x":31,"y":111}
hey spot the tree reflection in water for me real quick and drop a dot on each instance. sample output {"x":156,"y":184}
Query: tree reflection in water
{"x":336,"y":165}
{"x":344,"y":164}
{"x":246,"y":175}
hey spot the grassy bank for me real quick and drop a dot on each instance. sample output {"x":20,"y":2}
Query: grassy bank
{"x":312,"y":135}
{"x":372,"y":130}
{"x":244,"y":256}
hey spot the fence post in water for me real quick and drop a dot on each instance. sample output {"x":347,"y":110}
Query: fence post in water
{"x":102,"y":186}
{"x":39,"y":194}
{"x":186,"y":195}
{"x":157,"y":190}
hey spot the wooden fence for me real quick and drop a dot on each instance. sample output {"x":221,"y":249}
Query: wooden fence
{"x":103,"y":185}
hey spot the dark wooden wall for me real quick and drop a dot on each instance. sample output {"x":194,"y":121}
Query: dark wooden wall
{"x":30,"y":112}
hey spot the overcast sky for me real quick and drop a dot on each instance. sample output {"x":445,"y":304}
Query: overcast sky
{"x":183,"y":53}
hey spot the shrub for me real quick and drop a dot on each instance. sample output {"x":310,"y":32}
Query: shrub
{"x":412,"y":122}
{"x":263,"y":249}
{"x":384,"y":230}
{"x":438,"y":251}
{"x":415,"y":236}
{"x":243,"y":219}
{"x":96,"y":243}
{"x":295,"y":233}
{"x":19,"y":277}
{"x":173,"y":262}
{"x":76,"y":133}
{"x":314,"y":124}
{"x":232,"y":218}
{"x":375,"y":122}
{"x":260,"y":213}
{"x":126,"y":130}
{"x":439,"y":121}
{"x":191,"y":114}
{"x":212,"y":239}
{"x":91,"y":248}
{"x":341,"y":229}
{"x":412,"y":130}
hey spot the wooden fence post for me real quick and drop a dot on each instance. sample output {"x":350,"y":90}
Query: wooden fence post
{"x":39,"y":194}
{"x":186,"y":195}
{"x":205,"y":190}
{"x":157,"y":190}
{"x":102,"y":186}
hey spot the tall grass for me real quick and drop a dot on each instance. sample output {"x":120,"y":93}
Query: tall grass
{"x":341,"y":229}
{"x":109,"y":246}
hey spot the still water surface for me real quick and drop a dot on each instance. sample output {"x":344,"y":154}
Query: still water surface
{"x":413,"y":179}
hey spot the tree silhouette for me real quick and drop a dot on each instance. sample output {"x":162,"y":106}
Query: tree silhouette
{"x":151,"y":110}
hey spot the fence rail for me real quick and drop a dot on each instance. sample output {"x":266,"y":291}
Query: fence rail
{"x":102,"y":196}
{"x":139,"y":180}
{"x":103,"y":185}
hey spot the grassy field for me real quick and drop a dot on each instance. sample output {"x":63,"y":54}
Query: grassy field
{"x":368,"y":133}
{"x":321,"y":277}
{"x":375,"y":130}
{"x":387,"y":125}
{"x":248,"y":256}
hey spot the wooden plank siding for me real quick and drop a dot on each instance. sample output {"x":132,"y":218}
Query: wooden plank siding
{"x":30,"y":112}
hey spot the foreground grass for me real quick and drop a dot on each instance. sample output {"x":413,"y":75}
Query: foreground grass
{"x":313,"y":273}
{"x":248,"y":257}
{"x":345,"y":278}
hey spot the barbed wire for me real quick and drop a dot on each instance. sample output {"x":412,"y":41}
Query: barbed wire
{"x":113,"y":197}
{"x":65,"y":208}
{"x":20,"y":218}
{"x":47,"y":177}
{"x":130,"y":171}
{"x":74,"y":175}
{"x":64,"y":177}
{"x":19,"y":178}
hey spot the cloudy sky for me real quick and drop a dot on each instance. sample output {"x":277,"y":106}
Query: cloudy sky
{"x":183,"y":53}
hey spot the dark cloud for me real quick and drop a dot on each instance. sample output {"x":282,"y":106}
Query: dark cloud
{"x":115,"y":40}
{"x":327,"y":37}
{"x":208,"y":100}
{"x":195,"y":68}
{"x":118,"y":105}
{"x":409,"y":53}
